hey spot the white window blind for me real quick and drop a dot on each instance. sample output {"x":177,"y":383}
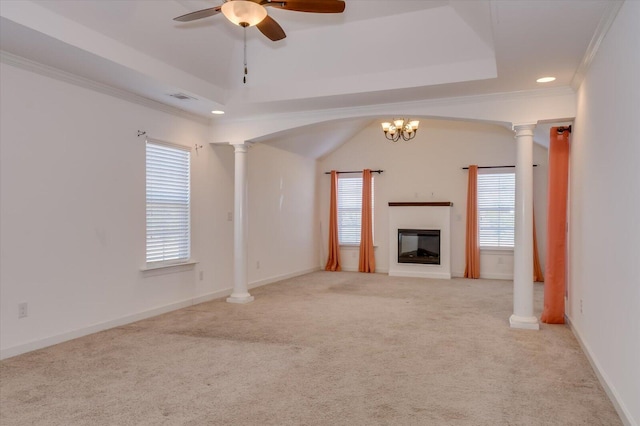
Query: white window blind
{"x":350,"y":209}
{"x":168,"y":204}
{"x":496,"y":209}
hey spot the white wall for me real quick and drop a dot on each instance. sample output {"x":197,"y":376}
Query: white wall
{"x":283,"y":231}
{"x":428,"y":168}
{"x":604,"y":271}
{"x":72,"y":212}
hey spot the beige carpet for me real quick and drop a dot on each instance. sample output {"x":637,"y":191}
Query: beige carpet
{"x":322,"y":349}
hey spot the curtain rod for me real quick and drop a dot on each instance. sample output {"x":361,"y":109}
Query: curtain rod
{"x":356,"y":171}
{"x":495,"y":167}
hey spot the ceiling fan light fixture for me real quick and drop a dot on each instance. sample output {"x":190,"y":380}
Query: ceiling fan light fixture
{"x":243,"y":12}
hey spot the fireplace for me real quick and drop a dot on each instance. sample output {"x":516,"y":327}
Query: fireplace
{"x":419,"y":246}
{"x":420,"y":239}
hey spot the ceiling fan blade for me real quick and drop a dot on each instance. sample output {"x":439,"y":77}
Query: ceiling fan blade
{"x":313,"y":6}
{"x":270,"y":28}
{"x":198,"y":14}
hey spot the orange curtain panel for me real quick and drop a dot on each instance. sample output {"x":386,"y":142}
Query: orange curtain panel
{"x":537,"y":270}
{"x":554,"y":287}
{"x":367,"y":261}
{"x":472,"y":246}
{"x":333,"y":261}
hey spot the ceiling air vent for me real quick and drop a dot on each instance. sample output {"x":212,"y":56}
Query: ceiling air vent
{"x":182,"y":96}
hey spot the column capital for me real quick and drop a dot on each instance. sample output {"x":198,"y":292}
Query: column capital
{"x":523,"y":129}
{"x":241,"y":146}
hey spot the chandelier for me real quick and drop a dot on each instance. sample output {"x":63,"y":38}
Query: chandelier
{"x":406,"y":129}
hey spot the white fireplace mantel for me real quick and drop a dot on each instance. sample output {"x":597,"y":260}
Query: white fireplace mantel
{"x":410,"y":215}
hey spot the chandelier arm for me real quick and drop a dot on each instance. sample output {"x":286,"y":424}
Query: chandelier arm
{"x":407,"y":136}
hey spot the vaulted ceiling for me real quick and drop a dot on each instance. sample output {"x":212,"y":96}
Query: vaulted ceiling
{"x":377,"y":51}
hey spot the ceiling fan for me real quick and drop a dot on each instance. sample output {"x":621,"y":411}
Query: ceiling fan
{"x":247,"y":13}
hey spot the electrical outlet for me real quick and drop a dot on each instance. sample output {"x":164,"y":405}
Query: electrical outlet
{"x":258,"y":264}
{"x":23,"y":310}
{"x":229,"y":217}
{"x":580,"y":305}
{"x":201,"y":275}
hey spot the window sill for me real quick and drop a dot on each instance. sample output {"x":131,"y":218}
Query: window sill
{"x":168,"y":268}
{"x":496,"y":250}
{"x":353,"y":246}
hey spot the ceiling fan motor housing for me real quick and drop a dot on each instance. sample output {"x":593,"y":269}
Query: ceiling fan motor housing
{"x":244,"y":13}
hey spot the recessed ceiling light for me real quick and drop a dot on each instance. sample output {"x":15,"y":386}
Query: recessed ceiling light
{"x":545,"y":79}
{"x":217,"y":112}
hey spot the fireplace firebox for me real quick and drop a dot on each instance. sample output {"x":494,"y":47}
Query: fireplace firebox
{"x":419,"y":246}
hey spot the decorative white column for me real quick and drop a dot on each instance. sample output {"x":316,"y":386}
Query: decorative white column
{"x":240,"y":227}
{"x":523,"y":250}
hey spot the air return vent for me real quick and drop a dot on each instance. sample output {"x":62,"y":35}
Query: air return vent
{"x":182,"y":96}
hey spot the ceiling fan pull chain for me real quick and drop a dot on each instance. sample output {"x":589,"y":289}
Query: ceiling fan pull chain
{"x":244,"y":78}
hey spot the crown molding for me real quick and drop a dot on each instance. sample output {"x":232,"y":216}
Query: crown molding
{"x":67,"y":77}
{"x":605,"y":23}
{"x":482,"y":98}
{"x":469,"y":108}
{"x":375,"y":110}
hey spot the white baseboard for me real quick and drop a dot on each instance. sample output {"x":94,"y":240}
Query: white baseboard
{"x":621,"y":409}
{"x":420,"y":274}
{"x":277,"y":278}
{"x":128,"y":319}
{"x":355,"y":269}
{"x":494,"y":276}
{"x":70,"y":335}
{"x":489,"y":276}
{"x":213,"y":295}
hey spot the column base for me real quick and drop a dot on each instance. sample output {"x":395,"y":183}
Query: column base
{"x":527,"y":323}
{"x":240,"y":298}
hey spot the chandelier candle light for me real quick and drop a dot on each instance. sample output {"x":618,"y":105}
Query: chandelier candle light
{"x":406,"y":129}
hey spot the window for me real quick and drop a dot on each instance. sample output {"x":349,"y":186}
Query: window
{"x":168,"y":206}
{"x":496,"y":209}
{"x":350,"y":209}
